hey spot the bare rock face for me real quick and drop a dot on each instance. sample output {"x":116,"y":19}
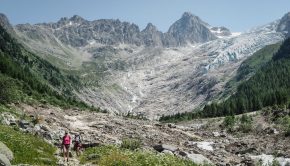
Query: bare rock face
{"x":78,"y":32}
{"x":151,"y":36}
{"x":284,"y":25}
{"x":190,"y":29}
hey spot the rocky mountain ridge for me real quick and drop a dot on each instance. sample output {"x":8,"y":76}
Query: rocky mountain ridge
{"x":78,"y":32}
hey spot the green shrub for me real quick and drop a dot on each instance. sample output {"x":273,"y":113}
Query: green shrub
{"x":229,"y":122}
{"x":246,"y":119}
{"x":284,"y":122}
{"x":131,"y":144}
{"x":7,"y":92}
{"x":246,"y":123}
{"x":115,"y":158}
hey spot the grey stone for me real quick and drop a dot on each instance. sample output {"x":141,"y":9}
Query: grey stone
{"x":170,"y":125}
{"x":167,"y":152}
{"x":216,"y":134}
{"x":182,"y":153}
{"x":45,"y":127}
{"x":198,"y":158}
{"x":12,"y":123}
{"x":4,"y":161}
{"x":6,"y":151}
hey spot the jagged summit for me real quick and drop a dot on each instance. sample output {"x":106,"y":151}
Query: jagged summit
{"x":151,"y":36}
{"x":78,"y":32}
{"x":77,"y":18}
{"x":190,"y":16}
{"x":150,"y":27}
{"x":187,"y":15}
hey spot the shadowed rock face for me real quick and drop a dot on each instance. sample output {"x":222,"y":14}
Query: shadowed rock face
{"x":284,"y":25}
{"x":4,"y":22}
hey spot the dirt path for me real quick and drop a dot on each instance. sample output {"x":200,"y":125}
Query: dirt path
{"x":73,"y":161}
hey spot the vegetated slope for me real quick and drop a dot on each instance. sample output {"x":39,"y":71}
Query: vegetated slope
{"x":249,"y":67}
{"x":27,"y":148}
{"x":26,"y":77}
{"x":269,"y":86}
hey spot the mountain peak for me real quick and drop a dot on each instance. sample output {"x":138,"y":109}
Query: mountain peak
{"x":77,"y":18}
{"x":187,"y":15}
{"x":190,"y":29}
{"x":150,"y":27}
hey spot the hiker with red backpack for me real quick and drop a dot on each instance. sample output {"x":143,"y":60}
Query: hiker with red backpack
{"x":66,"y":140}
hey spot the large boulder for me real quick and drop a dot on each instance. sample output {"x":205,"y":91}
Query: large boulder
{"x":198,"y":159}
{"x":6,"y":151}
{"x":4,"y":161}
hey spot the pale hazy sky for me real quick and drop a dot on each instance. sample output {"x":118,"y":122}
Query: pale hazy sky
{"x":237,"y":15}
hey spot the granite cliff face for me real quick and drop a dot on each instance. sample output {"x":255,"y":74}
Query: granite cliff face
{"x":147,"y":72}
{"x":190,"y":29}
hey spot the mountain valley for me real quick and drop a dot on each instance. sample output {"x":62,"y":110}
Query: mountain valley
{"x":194,"y":95}
{"x":125,"y":70}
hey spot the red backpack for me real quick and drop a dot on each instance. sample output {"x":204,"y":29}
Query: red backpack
{"x":66,"y":140}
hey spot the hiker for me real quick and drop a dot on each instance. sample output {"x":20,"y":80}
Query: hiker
{"x":77,"y":144}
{"x":65,"y":145}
